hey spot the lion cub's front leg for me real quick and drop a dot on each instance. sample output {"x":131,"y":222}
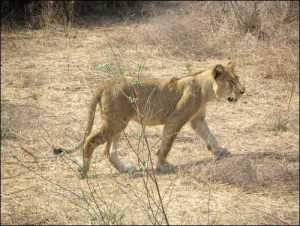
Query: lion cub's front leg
{"x":199,"y":124}
{"x":169,"y":134}
{"x":185,"y":107}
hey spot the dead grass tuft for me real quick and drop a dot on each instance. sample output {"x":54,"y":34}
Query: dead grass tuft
{"x":253,"y":171}
{"x":199,"y":30}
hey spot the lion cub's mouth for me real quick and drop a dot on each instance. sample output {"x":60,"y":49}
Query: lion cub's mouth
{"x":232,"y":99}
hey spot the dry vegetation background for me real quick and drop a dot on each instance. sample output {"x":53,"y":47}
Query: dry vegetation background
{"x":51,"y":64}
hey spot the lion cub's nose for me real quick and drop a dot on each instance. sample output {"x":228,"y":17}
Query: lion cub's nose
{"x":242,"y":90}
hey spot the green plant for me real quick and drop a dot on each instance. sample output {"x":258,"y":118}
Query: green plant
{"x":106,"y":67}
{"x":188,"y":67}
{"x":132,"y":99}
{"x":143,"y":166}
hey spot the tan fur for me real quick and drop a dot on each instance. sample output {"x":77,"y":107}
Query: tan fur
{"x":171,"y":102}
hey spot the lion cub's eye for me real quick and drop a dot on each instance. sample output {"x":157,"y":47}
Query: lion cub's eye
{"x":231,"y":82}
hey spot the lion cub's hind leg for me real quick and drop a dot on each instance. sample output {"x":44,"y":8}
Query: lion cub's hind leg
{"x":90,"y":144}
{"x":104,"y":134}
{"x":114,"y":159}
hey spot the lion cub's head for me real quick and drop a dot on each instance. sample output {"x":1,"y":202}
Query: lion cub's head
{"x":226,"y":82}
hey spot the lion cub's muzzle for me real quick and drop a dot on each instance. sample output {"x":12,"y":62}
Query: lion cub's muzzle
{"x":237,"y":94}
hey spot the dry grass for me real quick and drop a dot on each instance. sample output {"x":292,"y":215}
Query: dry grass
{"x":48,"y":78}
{"x":211,"y":29}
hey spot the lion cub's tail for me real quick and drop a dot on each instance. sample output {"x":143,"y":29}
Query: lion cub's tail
{"x":91,"y":116}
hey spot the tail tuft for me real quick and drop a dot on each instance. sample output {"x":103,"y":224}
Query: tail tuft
{"x":58,"y":151}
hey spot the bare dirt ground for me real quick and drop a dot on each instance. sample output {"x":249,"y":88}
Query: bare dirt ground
{"x":47,"y":81}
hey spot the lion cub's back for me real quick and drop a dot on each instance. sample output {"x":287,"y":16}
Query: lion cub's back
{"x":154,"y":99}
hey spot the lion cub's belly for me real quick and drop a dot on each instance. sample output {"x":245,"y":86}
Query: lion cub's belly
{"x":149,"y":121}
{"x":154,"y":112}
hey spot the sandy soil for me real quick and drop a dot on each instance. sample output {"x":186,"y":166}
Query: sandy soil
{"x":46,"y":83}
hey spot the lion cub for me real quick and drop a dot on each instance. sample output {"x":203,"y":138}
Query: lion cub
{"x":171,"y":102}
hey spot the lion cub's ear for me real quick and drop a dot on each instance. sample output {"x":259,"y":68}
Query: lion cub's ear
{"x":218,"y":71}
{"x":231,"y":65}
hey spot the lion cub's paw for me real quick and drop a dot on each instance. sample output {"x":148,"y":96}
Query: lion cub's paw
{"x":82,"y":173}
{"x":165,"y":167}
{"x":222,"y":153}
{"x":128,"y":168}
